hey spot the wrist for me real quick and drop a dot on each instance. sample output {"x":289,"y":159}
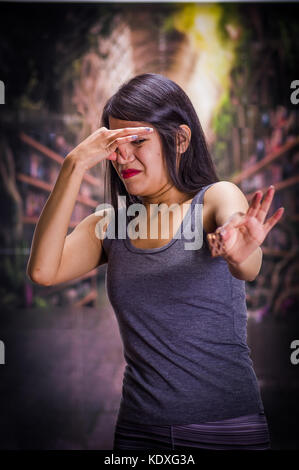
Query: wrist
{"x":230,"y":260}
{"x":236,"y":268}
{"x":234,"y":264}
{"x":74,"y":164}
{"x":248,"y":268}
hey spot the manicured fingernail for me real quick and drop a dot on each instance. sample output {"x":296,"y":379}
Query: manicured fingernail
{"x":134,"y":136}
{"x":149,"y":129}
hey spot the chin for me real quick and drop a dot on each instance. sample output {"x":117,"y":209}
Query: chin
{"x":135,"y":192}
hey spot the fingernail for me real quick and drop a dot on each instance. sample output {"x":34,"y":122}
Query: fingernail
{"x":223,"y":231}
{"x":149,"y":129}
{"x":134,"y":136}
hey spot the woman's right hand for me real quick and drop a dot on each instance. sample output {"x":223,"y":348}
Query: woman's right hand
{"x":102,"y":144}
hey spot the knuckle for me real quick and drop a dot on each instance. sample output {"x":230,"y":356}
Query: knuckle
{"x":103,"y":130}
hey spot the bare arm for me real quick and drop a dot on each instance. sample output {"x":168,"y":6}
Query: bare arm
{"x":229,"y":199}
{"x":241,"y":228}
{"x":51,"y":247}
{"x":54,"y":256}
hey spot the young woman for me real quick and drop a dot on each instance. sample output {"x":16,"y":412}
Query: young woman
{"x":189,"y":380}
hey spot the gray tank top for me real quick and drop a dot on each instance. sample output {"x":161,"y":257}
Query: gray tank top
{"x":182,"y":318}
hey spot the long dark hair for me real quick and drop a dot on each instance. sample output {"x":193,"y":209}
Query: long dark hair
{"x":157,"y":100}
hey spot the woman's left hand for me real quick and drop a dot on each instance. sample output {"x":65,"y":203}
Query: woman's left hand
{"x":244,"y":233}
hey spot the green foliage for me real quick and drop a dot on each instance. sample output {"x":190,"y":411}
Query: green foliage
{"x":40,"y":302}
{"x":223,"y":121}
{"x":230,"y":14}
{"x":220,"y":149}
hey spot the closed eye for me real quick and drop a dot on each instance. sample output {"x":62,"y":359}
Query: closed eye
{"x":134,"y":142}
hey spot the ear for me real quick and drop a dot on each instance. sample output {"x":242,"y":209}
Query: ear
{"x":183,"y":138}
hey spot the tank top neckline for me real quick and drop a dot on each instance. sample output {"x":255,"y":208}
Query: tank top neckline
{"x":134,"y":249}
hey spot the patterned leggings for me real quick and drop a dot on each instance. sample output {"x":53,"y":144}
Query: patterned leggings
{"x":248,"y":432}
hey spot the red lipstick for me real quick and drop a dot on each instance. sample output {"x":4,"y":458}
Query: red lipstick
{"x":130,"y":172}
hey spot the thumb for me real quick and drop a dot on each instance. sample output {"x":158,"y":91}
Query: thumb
{"x":240,"y":220}
{"x":112,"y":156}
{"x":234,"y":221}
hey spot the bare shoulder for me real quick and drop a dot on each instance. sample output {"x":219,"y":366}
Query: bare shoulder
{"x":222,"y":191}
{"x":95,"y":223}
{"x":225,"y":198}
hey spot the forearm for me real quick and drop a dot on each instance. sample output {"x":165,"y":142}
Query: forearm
{"x":248,"y":269}
{"x":51,"y":229}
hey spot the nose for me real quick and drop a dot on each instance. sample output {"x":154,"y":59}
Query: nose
{"x":124,"y":153}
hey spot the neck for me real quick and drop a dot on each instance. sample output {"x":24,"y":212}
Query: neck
{"x":167,"y":195}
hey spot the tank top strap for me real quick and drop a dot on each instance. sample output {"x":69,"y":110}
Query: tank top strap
{"x":196,"y":211}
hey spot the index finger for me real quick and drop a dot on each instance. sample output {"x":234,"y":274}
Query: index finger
{"x":264,"y":208}
{"x":131,"y":130}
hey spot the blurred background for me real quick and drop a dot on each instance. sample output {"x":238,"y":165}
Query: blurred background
{"x":61,"y":379}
